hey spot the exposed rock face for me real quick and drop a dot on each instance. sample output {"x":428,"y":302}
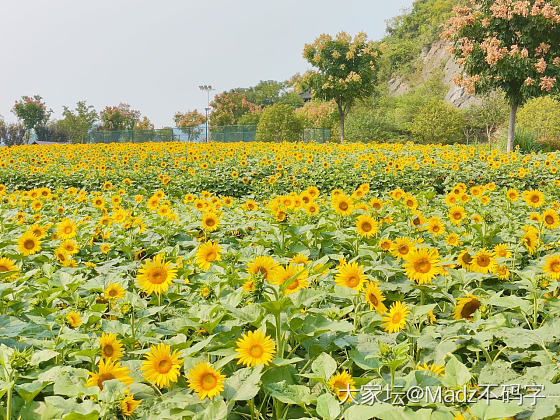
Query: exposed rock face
{"x":434,"y":58}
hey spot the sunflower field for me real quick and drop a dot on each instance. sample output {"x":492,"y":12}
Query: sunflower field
{"x":279,"y":281}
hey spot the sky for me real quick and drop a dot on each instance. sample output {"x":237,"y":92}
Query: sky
{"x":154,"y":54}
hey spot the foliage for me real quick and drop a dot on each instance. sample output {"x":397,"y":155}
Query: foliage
{"x":250,"y":118}
{"x":120,"y":117}
{"x":12,"y":134}
{"x":51,"y":132}
{"x":31,"y":111}
{"x":368,"y":123}
{"x":485,"y":117}
{"x":512,"y":46}
{"x":317,"y":113}
{"x":474,"y":272}
{"x":345,"y":70}
{"x":542,"y":117}
{"x":228,"y":107}
{"x":189,"y":119}
{"x":438,"y":122}
{"x":76,"y":123}
{"x":144,"y":124}
{"x":279,"y":123}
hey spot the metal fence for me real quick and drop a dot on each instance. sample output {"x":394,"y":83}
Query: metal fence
{"x":224,"y":134}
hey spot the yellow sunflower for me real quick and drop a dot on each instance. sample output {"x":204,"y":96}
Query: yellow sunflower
{"x":435,"y":226}
{"x":401,"y":247}
{"x":465,"y":259}
{"x":341,"y":383}
{"x":422,"y":265}
{"x":366,"y":225}
{"x":6,"y":264}
{"x":111,"y":348}
{"x":29,"y":244}
{"x":109,"y":369}
{"x":161,"y":367}
{"x":385,"y":244}
{"x":552,"y":266}
{"x":128,"y":405}
{"x":437,"y":369}
{"x":502,"y":251}
{"x":205,"y":380}
{"x":255,"y":348}
{"x":343,"y":205}
{"x":534,"y":198}
{"x":265,"y":266}
{"x":207,"y":253}
{"x":531,"y":240}
{"x":351,"y":275}
{"x":550,"y":219}
{"x":512,"y":195}
{"x":156,"y":276}
{"x":66,"y":229}
{"x":114,"y":291}
{"x":483,"y":262}
{"x":295,"y":275}
{"x":210,"y":221}
{"x":466,"y":307}
{"x":375,"y":297}
{"x":69,"y":246}
{"x":39,"y":231}
{"x":457,"y":214}
{"x":395,"y":319}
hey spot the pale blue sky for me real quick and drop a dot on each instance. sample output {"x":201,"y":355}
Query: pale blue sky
{"x":154,"y":54}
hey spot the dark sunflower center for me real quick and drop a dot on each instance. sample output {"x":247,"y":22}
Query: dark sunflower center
{"x":208,"y":381}
{"x":108,"y":350}
{"x":422,"y":266}
{"x":469,"y":308}
{"x":104,"y":377}
{"x":29,"y":244}
{"x":158,"y":276}
{"x":164,"y":366}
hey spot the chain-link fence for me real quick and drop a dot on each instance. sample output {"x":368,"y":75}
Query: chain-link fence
{"x":223,"y":134}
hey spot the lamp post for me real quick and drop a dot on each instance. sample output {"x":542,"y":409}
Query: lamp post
{"x":207,"y":89}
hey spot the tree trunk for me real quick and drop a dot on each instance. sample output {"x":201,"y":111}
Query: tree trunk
{"x":511,"y":127}
{"x":341,"y":118}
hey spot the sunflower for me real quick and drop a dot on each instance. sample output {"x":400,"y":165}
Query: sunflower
{"x":69,"y":246}
{"x":128,"y":405}
{"x":375,"y":297}
{"x":435,"y":226}
{"x":502,"y":251}
{"x":466,"y":307}
{"x":265,"y":266}
{"x":156,"y":276}
{"x":161,"y":367}
{"x":483,"y":262}
{"x":114,"y":291}
{"x":385,"y":244}
{"x":300,"y":259}
{"x":502,"y":272}
{"x":457,"y":214}
{"x":210,"y":221}
{"x":255,"y":348}
{"x":111,"y":348}
{"x":512,"y":195}
{"x":550,"y":219}
{"x":453,"y":240}
{"x":205,"y":380}
{"x":437,"y":369}
{"x":66,"y":229}
{"x":6,"y":264}
{"x":366,"y":225}
{"x":295,"y":275}
{"x":534,"y":198}
{"x":401,"y":247}
{"x":29,"y":244}
{"x":341,"y":383}
{"x":395,"y":319}
{"x":39,"y":231}
{"x":74,"y":319}
{"x":206,"y":253}
{"x":351,"y":275}
{"x":410,"y":201}
{"x":422,"y":265}
{"x":343,"y":205}
{"x":109,"y":369}
{"x":465,"y":259}
{"x":531,"y":240}
{"x":552,"y":266}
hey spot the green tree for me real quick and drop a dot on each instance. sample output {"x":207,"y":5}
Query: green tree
{"x":484,"y":118}
{"x":31,"y":111}
{"x":542,"y":117}
{"x":438,"y":122}
{"x":512,"y":46}
{"x":346,"y":70}
{"x":120,"y":117}
{"x":76,"y":123}
{"x":279,"y":123}
{"x":251,"y":118}
{"x":228,"y":107}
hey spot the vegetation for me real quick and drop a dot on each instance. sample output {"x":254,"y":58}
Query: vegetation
{"x":279,"y":123}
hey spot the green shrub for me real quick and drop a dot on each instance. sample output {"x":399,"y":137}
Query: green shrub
{"x":526,"y":140}
{"x":438,"y":122}
{"x":542,"y":117}
{"x":279,"y":123}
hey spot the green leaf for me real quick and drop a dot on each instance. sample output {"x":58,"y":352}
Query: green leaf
{"x":324,"y":366}
{"x":29,"y":390}
{"x":290,"y":394}
{"x":456,"y":373}
{"x":42,"y":356}
{"x":328,"y":407}
{"x":243,"y":384}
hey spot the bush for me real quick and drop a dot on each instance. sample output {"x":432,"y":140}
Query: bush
{"x":542,"y":117}
{"x":279,"y":123}
{"x":51,"y":132}
{"x":526,"y":140}
{"x":12,"y":134}
{"x":366,"y":124}
{"x":438,"y":122}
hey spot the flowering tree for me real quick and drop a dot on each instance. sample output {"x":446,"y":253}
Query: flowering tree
{"x":119,"y":117}
{"x":143,"y":124}
{"x":512,"y":45}
{"x":346,"y":70}
{"x":31,"y":111}
{"x":189,"y":119}
{"x":318,"y":113}
{"x":228,"y":107}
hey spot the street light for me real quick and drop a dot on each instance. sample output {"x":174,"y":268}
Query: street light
{"x":207,"y":89}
